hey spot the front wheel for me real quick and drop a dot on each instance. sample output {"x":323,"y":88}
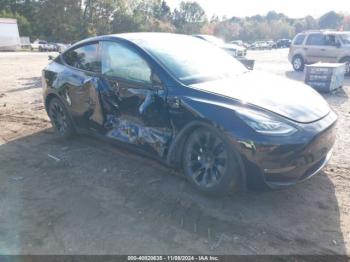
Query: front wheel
{"x":209,"y":162}
{"x":298,"y":63}
{"x":60,"y":119}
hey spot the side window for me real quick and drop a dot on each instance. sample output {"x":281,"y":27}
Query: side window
{"x":330,"y":40}
{"x":120,"y":61}
{"x":316,"y":39}
{"x":85,"y":58}
{"x":299,"y":40}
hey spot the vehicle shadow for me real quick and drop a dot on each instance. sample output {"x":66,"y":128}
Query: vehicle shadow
{"x":294,"y":75}
{"x":29,"y":83}
{"x":84,"y":196}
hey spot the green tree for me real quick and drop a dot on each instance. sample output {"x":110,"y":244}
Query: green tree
{"x":58,"y":20}
{"x":330,"y":20}
{"x":190,"y":18}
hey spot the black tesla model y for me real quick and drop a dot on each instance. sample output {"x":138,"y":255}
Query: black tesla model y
{"x":192,"y":106}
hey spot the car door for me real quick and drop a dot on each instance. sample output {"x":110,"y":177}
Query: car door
{"x":320,"y":48}
{"x":133,"y":99}
{"x":330,"y":52}
{"x":80,"y":86}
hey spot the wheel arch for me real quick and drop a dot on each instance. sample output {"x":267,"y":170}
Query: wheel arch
{"x":298,"y":55}
{"x":174,"y":156}
{"x":48,"y":99}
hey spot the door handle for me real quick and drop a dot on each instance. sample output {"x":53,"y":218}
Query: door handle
{"x":305,"y":48}
{"x":322,"y":49}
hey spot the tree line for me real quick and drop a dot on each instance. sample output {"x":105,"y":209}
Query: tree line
{"x":70,"y":20}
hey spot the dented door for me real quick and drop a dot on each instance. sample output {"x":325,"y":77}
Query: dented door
{"x":135,"y":111}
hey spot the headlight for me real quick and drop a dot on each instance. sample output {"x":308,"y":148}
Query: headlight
{"x":265,"y":124}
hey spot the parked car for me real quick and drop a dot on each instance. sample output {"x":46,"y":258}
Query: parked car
{"x":260,"y":45}
{"x":195,"y":109}
{"x":232,"y":49}
{"x":60,"y":47}
{"x":320,"y":46}
{"x":38,"y":45}
{"x":283,"y":43}
{"x":254,"y":46}
{"x":42,"y":46}
{"x":50,"y":47}
{"x":237,"y":42}
{"x":271,"y":44}
{"x":240,"y":43}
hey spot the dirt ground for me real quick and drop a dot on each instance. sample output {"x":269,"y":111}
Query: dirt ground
{"x":85,"y":196}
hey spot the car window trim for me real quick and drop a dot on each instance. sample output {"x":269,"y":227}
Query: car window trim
{"x":81,"y":45}
{"x":302,"y":42}
{"x":116,"y":78}
{"x":335,"y":38}
{"x":310,"y":36}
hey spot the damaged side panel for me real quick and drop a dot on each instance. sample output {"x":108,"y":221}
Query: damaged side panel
{"x":130,"y":131}
{"x":135,"y":115}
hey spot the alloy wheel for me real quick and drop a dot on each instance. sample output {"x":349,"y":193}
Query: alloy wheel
{"x":297,"y":63}
{"x":58,"y":117}
{"x":206,"y":159}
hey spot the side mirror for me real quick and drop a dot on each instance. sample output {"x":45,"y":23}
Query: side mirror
{"x":156,"y":82}
{"x":337,"y":44}
{"x":51,"y":57}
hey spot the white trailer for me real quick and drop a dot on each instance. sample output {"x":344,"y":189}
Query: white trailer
{"x":9,"y":35}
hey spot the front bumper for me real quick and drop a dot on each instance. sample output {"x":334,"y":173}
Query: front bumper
{"x":314,"y":169}
{"x":291,"y":160}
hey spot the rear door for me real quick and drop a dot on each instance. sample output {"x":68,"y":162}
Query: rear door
{"x":333,"y":48}
{"x":314,"y":47}
{"x":80,"y":86}
{"x":321,"y":48}
{"x":134,"y":107}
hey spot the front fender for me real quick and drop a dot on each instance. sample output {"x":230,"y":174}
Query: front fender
{"x":211,"y":114}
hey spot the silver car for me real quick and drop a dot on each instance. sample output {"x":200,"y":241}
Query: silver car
{"x":320,"y":46}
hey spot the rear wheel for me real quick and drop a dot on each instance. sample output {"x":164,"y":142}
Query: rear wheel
{"x":347,"y":65}
{"x":209,"y":163}
{"x":60,"y":118}
{"x":298,"y":63}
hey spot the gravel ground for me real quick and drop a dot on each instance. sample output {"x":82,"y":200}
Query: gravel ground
{"x":84,"y":196}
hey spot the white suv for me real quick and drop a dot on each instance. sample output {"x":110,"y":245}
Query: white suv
{"x":320,"y":46}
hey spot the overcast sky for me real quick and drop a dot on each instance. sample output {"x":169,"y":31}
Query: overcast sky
{"x":291,"y":8}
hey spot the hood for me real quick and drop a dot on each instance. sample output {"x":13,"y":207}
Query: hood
{"x":233,"y":46}
{"x":291,"y":99}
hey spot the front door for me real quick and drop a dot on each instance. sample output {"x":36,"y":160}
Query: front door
{"x":135,"y":110}
{"x":321,"y":48}
{"x":80,"y":89}
{"x":314,"y":47}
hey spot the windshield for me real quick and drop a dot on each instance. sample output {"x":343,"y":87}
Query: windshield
{"x":192,"y":60}
{"x":345,"y":38}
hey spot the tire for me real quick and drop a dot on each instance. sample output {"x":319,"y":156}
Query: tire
{"x":210,"y":164}
{"x":298,"y":63}
{"x":60,"y":119}
{"x":346,"y":60}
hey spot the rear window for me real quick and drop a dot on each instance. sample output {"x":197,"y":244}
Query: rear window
{"x":299,"y":39}
{"x":315,"y":39}
{"x":85,"y":58}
